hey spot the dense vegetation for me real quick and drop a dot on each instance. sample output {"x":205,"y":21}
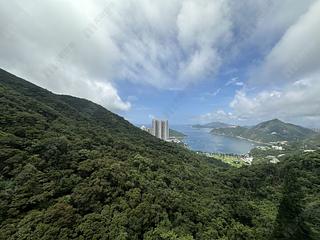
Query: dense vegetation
{"x":312,"y":142}
{"x":176,"y":134}
{"x":270,"y":131}
{"x":69,"y":169}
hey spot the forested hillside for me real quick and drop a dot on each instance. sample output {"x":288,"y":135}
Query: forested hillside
{"x":70,"y":169}
{"x":269,"y":131}
{"x":313,"y":141}
{"x":176,"y":134}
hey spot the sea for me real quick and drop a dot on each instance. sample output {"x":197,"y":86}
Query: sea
{"x":202,"y":140}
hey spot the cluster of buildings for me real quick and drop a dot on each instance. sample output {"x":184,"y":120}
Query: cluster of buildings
{"x":159,"y":129}
{"x":279,"y":146}
{"x":317,"y":130}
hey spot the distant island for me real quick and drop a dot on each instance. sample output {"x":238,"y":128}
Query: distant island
{"x":266,"y":132}
{"x":213,"y":125}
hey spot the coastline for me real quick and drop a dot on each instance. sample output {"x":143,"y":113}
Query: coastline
{"x":203,"y":140}
{"x":242,"y":138}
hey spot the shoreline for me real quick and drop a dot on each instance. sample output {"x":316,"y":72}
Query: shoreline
{"x":242,"y":138}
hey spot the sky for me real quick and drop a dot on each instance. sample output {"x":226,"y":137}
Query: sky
{"x":189,"y":61}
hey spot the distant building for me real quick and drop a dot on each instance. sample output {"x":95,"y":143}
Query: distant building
{"x":146,"y":129}
{"x":247,"y":159}
{"x":277,"y":148}
{"x":316,"y":130}
{"x":264,"y":148}
{"x":272,"y":159}
{"x":159,"y":129}
{"x":308,"y":151}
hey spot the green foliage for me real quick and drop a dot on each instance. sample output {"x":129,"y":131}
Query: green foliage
{"x":176,"y":134}
{"x":313,"y":141}
{"x":69,"y":169}
{"x":270,"y":131}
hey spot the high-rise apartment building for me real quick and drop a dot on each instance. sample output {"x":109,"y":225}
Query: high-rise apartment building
{"x":164,"y":129}
{"x":156,"y":128}
{"x":160,"y":129}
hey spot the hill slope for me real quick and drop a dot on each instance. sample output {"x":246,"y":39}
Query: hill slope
{"x":269,"y":131}
{"x":313,"y":141}
{"x":176,"y":134}
{"x":213,"y":125}
{"x":70,"y":169}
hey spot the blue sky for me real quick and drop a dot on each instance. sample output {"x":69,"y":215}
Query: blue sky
{"x":180,"y":106}
{"x":188,"y":61}
{"x":188,"y":105}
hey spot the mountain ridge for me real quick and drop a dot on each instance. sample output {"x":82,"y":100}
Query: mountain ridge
{"x":269,"y":131}
{"x":213,"y":125}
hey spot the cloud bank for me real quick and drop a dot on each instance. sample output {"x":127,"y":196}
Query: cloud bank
{"x":286,"y":83}
{"x":85,"y":48}
{"x":294,"y":63}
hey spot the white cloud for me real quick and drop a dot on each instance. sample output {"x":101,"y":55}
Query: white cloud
{"x":218,"y":116}
{"x":234,"y":81}
{"x":215,"y":93}
{"x":203,"y":23}
{"x":292,"y":69}
{"x":299,"y":101}
{"x":103,"y":93}
{"x":209,"y":95}
{"x":202,"y":64}
{"x":260,"y":23}
{"x":83,"y":48}
{"x":45,"y":42}
{"x":239,"y":84}
{"x":297,"y":54}
{"x":203,"y":28}
{"x":165,"y":44}
{"x":151,"y":116}
{"x":231,"y":81}
{"x":172,"y":50}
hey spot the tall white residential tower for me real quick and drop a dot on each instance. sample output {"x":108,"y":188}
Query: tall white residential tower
{"x":160,"y":129}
